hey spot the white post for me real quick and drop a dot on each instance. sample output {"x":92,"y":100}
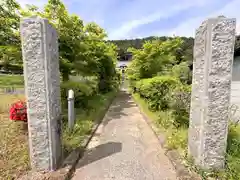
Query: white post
{"x":71,"y":109}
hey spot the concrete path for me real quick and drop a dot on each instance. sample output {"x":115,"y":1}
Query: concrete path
{"x":124,"y":148}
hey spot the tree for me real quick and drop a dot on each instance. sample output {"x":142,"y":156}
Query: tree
{"x":10,"y":51}
{"x":82,"y":49}
{"x":155,"y":58}
{"x":9,"y":34}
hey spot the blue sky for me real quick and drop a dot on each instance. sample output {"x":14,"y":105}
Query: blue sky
{"x":125,"y":19}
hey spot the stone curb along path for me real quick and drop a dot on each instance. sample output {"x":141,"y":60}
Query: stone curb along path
{"x":182,"y":172}
{"x":69,"y":164}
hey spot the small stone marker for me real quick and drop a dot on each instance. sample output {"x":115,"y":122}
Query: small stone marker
{"x":211,"y":88}
{"x":42,"y":89}
{"x":71,"y":109}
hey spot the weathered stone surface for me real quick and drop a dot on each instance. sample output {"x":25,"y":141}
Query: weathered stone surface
{"x":211,"y":90}
{"x":42,"y":88}
{"x":197,"y":90}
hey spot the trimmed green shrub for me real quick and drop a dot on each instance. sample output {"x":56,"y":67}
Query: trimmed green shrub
{"x":155,"y":91}
{"x":180,"y":99}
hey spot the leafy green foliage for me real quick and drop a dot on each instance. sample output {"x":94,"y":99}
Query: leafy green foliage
{"x":179,"y":103}
{"x":184,"y":54}
{"x":182,"y":72}
{"x":9,"y":22}
{"x":233,"y":153}
{"x":155,"y":91}
{"x":160,"y":74}
{"x":85,"y":119}
{"x":82,"y":92}
{"x":153,"y":59}
{"x":177,"y":139}
{"x":82,"y":48}
{"x":82,"y":52}
{"x":10,"y":52}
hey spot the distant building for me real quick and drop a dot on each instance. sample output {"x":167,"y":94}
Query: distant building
{"x":127,"y":56}
{"x":235,"y":87}
{"x":236,"y":69}
{"x":122,"y":64}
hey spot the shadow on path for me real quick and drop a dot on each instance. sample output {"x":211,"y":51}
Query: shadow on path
{"x":99,"y":152}
{"x":141,"y":157}
{"x":119,"y":106}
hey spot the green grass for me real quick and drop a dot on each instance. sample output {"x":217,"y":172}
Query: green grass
{"x":11,"y":81}
{"x":8,"y":80}
{"x":14,"y":159}
{"x":233,"y":153}
{"x":176,"y":138}
{"x":85,"y":120}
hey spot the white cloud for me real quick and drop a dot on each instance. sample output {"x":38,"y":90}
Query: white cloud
{"x":188,"y":27}
{"x":125,"y":30}
{"x":121,"y":17}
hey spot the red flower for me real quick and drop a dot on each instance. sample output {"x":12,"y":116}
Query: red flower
{"x":18,"y":111}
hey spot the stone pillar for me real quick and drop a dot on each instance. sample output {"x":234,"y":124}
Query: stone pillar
{"x":42,"y":89}
{"x":211,"y":90}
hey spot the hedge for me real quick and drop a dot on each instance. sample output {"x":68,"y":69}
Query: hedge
{"x":167,"y":93}
{"x":156,"y":90}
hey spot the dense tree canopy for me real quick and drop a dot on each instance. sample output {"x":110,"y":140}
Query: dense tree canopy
{"x":82,"y":48}
{"x":159,"y":57}
{"x":10,"y":51}
{"x":186,"y":47}
{"x":156,"y":56}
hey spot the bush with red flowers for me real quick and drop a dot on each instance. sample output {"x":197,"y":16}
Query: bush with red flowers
{"x":18,"y":111}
